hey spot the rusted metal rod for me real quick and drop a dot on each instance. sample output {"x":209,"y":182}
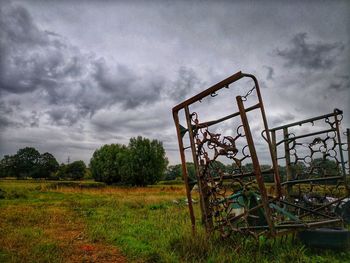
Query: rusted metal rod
{"x":304,"y":135}
{"x":209,"y":91}
{"x":312,"y":180}
{"x":299,"y":123}
{"x":184,"y":171}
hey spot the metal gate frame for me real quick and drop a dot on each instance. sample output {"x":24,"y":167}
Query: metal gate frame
{"x":269,"y":208}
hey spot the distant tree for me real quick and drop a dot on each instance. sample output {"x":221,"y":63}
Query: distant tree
{"x":298,"y":170}
{"x":7,"y":166}
{"x":231,"y":168}
{"x":172,"y":172}
{"x":26,"y":162}
{"x":61,"y":172}
{"x":268,"y":177}
{"x":216,"y":167}
{"x":146,"y":162}
{"x":107,"y":163}
{"x":282,"y":172}
{"x":75,"y":170}
{"x":324,"y":167}
{"x":88,"y":174}
{"x":248,"y":168}
{"x":47,"y":165}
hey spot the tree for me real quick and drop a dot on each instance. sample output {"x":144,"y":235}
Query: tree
{"x":172,"y":172}
{"x":75,"y":170}
{"x":216,"y":167}
{"x":61,"y":172}
{"x":47,"y":165}
{"x":26,"y":162}
{"x":107,"y":163}
{"x":324,"y":167}
{"x":7,"y":166}
{"x":145,"y":162}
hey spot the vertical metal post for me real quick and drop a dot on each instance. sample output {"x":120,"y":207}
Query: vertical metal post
{"x":273,"y":156}
{"x":340,"y":144}
{"x":274,"y":149}
{"x":287,"y":156}
{"x":273,"y":159}
{"x":184,"y":170}
{"x":348,"y":141}
{"x":202,"y":187}
{"x":256,"y":165}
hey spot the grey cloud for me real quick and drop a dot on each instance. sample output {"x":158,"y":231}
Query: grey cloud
{"x":17,"y":26}
{"x":6,"y":115}
{"x":81,"y":84}
{"x":270,"y":72}
{"x":281,"y":119}
{"x":342,"y":83}
{"x":185,"y":83}
{"x":6,"y":122}
{"x":315,"y":56}
{"x":126,"y":87}
{"x":63,"y":116}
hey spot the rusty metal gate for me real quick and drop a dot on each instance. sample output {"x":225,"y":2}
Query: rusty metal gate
{"x":241,"y":200}
{"x":317,"y":171}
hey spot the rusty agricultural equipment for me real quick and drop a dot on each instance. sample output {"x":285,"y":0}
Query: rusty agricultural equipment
{"x":241,"y":200}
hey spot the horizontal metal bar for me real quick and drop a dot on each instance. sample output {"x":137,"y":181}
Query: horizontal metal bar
{"x":336,"y":112}
{"x":306,"y":209}
{"x":242,"y":175}
{"x":305,"y":135}
{"x":324,"y":206}
{"x":210,"y":123}
{"x":312,"y":180}
{"x":209,"y":91}
{"x":300,"y":225}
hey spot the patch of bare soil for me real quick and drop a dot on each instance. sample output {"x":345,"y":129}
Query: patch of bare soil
{"x":71,"y":237}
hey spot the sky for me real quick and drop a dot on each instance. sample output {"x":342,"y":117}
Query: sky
{"x":75,"y":75}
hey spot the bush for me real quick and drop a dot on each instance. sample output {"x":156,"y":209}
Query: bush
{"x":107,"y":163}
{"x":73,"y":171}
{"x":140,"y":163}
{"x":145,"y":162}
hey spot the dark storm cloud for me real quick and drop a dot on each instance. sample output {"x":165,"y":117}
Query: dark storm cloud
{"x":19,"y":71}
{"x":74,"y":84}
{"x":310,"y":55}
{"x":125,"y":86}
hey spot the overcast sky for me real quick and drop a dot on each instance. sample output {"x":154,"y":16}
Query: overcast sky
{"x":75,"y":75}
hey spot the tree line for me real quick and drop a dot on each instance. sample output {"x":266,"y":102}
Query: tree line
{"x":29,"y":163}
{"x":319,"y":167}
{"x":141,"y":162}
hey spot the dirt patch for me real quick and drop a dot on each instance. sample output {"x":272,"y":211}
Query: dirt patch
{"x":70,"y":234}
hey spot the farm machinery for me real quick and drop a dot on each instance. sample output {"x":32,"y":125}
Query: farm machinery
{"x":305,"y":187}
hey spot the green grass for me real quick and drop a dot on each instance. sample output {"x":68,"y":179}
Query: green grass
{"x":145,"y":224}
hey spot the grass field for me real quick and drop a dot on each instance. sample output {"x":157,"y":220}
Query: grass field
{"x":87,"y":222}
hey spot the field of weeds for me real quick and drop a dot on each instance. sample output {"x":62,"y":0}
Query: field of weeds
{"x":90,"y":222}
